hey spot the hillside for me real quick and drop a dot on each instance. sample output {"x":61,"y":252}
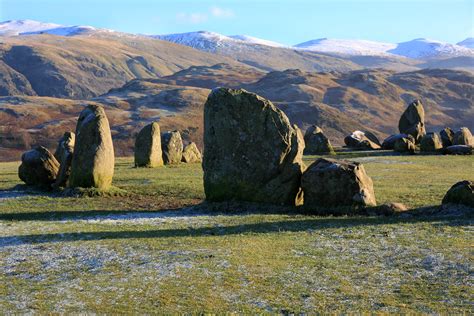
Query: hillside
{"x":82,"y":67}
{"x":339,"y":102}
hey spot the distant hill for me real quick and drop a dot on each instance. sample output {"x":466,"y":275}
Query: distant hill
{"x":339,"y":102}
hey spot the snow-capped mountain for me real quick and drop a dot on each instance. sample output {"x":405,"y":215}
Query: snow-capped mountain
{"x":346,"y":47}
{"x":425,"y":48}
{"x":468,"y":42}
{"x":29,"y":27}
{"x":256,"y":40}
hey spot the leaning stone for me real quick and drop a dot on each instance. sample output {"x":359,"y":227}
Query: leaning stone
{"x":148,"y":147}
{"x":458,"y":150}
{"x":251,"y":151}
{"x":332,"y":183}
{"x":316,"y":142}
{"x":191,"y":154}
{"x":431,"y":143}
{"x":461,"y":193}
{"x":38,"y":167}
{"x":172,"y":147}
{"x":93,"y":159}
{"x":447,"y":137}
{"x":463,"y":137}
{"x":412,"y":121}
{"x":64,"y":154}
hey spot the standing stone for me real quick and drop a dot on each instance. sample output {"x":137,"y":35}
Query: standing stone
{"x":172,"y":147}
{"x":316,"y":142}
{"x":38,"y":167}
{"x":148,"y":147}
{"x":332,"y":183}
{"x":412,"y":121}
{"x":405,"y":145}
{"x":251,"y":151}
{"x":389,"y":142}
{"x":191,"y":154}
{"x":93,"y":159}
{"x":463,"y":137}
{"x":431,"y":142}
{"x":447,"y":137}
{"x":461,"y":193}
{"x":362,"y":140}
{"x":64,"y":154}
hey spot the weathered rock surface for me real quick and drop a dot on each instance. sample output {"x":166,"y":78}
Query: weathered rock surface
{"x":64,"y":153}
{"x":362,"y":140}
{"x":412,"y":121}
{"x":93,"y":159}
{"x":172,"y":147}
{"x":389,"y":142}
{"x":461,"y":193}
{"x":148,"y":147}
{"x":431,"y":143}
{"x":405,"y":145}
{"x":316,"y":142}
{"x":463,"y":137}
{"x":251,"y":151}
{"x":38,"y":167}
{"x":447,"y":137}
{"x":458,"y":150}
{"x":332,"y":183}
{"x":191,"y":154}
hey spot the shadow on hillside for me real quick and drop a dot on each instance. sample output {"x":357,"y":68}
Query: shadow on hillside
{"x":296,"y":225}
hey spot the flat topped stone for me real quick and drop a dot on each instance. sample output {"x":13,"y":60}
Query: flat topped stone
{"x":251,"y":151}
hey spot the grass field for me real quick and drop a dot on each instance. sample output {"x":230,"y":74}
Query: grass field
{"x":159,"y":248}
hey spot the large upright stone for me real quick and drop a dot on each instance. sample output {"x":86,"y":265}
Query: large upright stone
{"x":38,"y":167}
{"x":172,"y":147}
{"x":463,"y":137}
{"x":148,"y":147}
{"x":431,"y":143}
{"x":251,"y":151}
{"x":191,"y":154}
{"x":333,"y":183}
{"x":412,"y":121}
{"x":93,"y":159}
{"x":316,"y":142}
{"x":64,"y":153}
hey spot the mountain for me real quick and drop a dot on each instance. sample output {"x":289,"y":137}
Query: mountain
{"x":265,"y":57}
{"x":255,"y":40}
{"x":81,"y":67}
{"x":29,"y":27}
{"x":468,"y":42}
{"x":424,"y":48}
{"x":347,"y":47}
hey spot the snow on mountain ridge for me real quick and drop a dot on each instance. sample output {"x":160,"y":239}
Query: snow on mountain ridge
{"x":30,"y":27}
{"x":348,"y":47}
{"x":468,"y":42}
{"x":427,"y":48}
{"x":256,"y":40}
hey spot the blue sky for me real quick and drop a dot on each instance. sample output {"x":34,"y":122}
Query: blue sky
{"x":285,"y":21}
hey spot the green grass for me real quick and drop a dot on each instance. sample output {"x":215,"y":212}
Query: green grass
{"x":159,"y":249}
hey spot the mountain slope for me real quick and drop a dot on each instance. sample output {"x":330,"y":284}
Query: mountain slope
{"x":348,"y":47}
{"x":424,"y":48}
{"x":82,"y":67}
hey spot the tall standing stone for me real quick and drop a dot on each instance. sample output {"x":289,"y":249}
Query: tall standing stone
{"x":64,"y":154}
{"x":148,"y":147}
{"x":251,"y":151}
{"x":38,"y":167}
{"x":412,"y":121}
{"x":93,"y":160}
{"x":172,"y":147}
{"x":316,"y":142}
{"x":447,"y":137}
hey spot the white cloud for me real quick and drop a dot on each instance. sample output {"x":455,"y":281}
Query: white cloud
{"x":221,"y":12}
{"x":194,"y":17}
